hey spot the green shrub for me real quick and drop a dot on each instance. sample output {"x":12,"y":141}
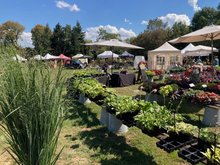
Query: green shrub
{"x":31,"y":103}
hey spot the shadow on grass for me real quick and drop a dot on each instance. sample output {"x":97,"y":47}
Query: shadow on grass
{"x":81,"y":114}
{"x":113,"y":149}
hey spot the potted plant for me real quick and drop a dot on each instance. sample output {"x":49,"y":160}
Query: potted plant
{"x":153,"y":118}
{"x":181,"y":131}
{"x":150,"y":74}
{"x":213,"y":155}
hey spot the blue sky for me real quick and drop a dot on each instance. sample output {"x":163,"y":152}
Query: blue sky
{"x":126,"y":17}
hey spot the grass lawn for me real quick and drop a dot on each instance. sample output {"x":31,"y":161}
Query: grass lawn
{"x":85,"y":141}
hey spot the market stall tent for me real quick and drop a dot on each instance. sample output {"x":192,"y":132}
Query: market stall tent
{"x":164,"y":57}
{"x":19,"y":58}
{"x":108,"y":54}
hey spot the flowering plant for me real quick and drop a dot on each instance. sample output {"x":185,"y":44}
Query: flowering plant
{"x":150,"y":73}
{"x":158,"y":72}
{"x":207,"y":97}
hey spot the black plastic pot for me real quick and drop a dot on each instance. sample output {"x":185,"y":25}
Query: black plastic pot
{"x":128,"y":118}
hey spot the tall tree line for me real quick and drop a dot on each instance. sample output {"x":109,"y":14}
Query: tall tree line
{"x":66,"y":40}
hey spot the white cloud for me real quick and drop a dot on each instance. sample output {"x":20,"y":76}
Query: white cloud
{"x":144,"y":22}
{"x":72,"y":7}
{"x":194,"y":4}
{"x":127,"y":21}
{"x":170,"y":19}
{"x":25,"y":40}
{"x":92,"y":32}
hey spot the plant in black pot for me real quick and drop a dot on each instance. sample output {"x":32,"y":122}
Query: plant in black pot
{"x":181,"y":131}
{"x":153,"y":118}
{"x":206,"y":139}
{"x":124,"y":107}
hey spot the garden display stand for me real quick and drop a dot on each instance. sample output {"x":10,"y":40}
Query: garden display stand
{"x":170,"y":144}
{"x":115,"y":125}
{"x":83,"y":99}
{"x":192,"y":154}
{"x":212,"y":115}
{"x":104,"y":117}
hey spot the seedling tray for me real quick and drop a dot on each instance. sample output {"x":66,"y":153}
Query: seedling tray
{"x":192,"y":154}
{"x":170,"y":144}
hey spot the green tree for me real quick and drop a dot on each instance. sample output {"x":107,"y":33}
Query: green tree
{"x":104,"y":35}
{"x":41,"y":37}
{"x":78,"y":39}
{"x":205,"y":17}
{"x":57,"y":40}
{"x":150,"y":40}
{"x":10,"y":32}
{"x":156,"y":24}
{"x":67,"y":40}
{"x":178,"y":29}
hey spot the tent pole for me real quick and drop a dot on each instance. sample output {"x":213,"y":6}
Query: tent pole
{"x":112,"y":60}
{"x":212,"y":58}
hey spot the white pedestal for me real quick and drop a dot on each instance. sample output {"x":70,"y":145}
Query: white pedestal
{"x":212,"y":115}
{"x":115,"y":125}
{"x":83,"y":99}
{"x":104,"y":117}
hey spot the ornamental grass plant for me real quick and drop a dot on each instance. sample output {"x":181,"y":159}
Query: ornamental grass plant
{"x":31,"y":104}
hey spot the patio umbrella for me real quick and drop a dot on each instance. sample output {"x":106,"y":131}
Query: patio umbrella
{"x":114,"y":43}
{"x":210,"y":33}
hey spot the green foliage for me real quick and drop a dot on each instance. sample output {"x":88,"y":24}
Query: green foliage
{"x":213,"y":155}
{"x":178,"y":29}
{"x":166,"y":90}
{"x":207,"y":135}
{"x":182,"y":127}
{"x":205,"y":17}
{"x":90,"y":87}
{"x":155,"y":24}
{"x":150,"y":73}
{"x":41,"y":37}
{"x":85,"y":73}
{"x":121,"y":104}
{"x":31,"y":104}
{"x":57,"y":39}
{"x":104,"y":35}
{"x":153,"y":115}
{"x":10,"y":32}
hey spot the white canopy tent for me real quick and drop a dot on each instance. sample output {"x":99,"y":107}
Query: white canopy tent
{"x":108,"y":54}
{"x":50,"y":57}
{"x":19,"y":58}
{"x":199,"y":50}
{"x":38,"y":57}
{"x":163,"y":57}
{"x":126,"y":54}
{"x":78,"y":56}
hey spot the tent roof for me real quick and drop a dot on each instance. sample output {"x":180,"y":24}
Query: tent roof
{"x":166,"y":47}
{"x":62,"y":56}
{"x":38,"y":57}
{"x":107,"y":54}
{"x":50,"y":57}
{"x":187,"y":48}
{"x":126,"y":54}
{"x":19,"y":58}
{"x":78,"y":56}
